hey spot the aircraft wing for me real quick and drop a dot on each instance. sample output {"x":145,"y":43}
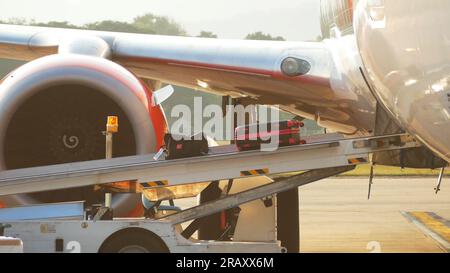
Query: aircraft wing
{"x":240,"y":68}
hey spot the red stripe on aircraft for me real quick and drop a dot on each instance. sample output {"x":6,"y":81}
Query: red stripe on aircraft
{"x":278,"y":75}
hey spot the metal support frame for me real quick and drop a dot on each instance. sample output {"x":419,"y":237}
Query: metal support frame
{"x":288,"y":220}
{"x":369,"y":192}
{"x":110,"y":130}
{"x":437,"y":189}
{"x":234,"y":200}
{"x":208,"y":228}
{"x":109,"y":145}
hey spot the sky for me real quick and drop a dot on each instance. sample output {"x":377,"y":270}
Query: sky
{"x":296,"y":20}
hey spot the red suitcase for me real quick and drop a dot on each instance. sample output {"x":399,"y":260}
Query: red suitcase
{"x":251,"y":137}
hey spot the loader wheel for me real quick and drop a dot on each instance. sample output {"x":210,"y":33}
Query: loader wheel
{"x":133,"y":241}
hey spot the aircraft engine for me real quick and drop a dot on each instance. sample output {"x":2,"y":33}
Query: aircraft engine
{"x":53,"y":110}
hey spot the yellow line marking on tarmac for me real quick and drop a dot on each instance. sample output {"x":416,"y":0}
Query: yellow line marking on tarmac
{"x":436,"y":226}
{"x":433,"y":224}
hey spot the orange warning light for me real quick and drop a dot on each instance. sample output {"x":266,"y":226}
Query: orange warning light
{"x":112,"y":125}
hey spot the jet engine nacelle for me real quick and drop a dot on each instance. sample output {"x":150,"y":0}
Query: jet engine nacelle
{"x":53,"y":110}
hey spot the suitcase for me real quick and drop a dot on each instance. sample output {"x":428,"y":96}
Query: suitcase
{"x":250,"y":138}
{"x":182,"y":147}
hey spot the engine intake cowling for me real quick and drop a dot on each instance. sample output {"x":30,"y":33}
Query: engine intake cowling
{"x":53,"y":110}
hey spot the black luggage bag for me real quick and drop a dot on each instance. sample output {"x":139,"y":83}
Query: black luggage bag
{"x":183,"y":147}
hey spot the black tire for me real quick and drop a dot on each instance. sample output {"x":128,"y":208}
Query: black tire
{"x":133,"y":241}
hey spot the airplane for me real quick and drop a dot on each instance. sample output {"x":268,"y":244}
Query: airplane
{"x":383,"y":67}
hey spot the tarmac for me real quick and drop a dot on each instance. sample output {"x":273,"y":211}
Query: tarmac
{"x":402,"y":215}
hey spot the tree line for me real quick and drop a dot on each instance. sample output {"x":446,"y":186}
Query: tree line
{"x":144,"y":24}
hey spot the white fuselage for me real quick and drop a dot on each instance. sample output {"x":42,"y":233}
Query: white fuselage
{"x":405,"y":49}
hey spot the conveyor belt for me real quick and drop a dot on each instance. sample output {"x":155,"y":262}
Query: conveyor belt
{"x":215,"y":166}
